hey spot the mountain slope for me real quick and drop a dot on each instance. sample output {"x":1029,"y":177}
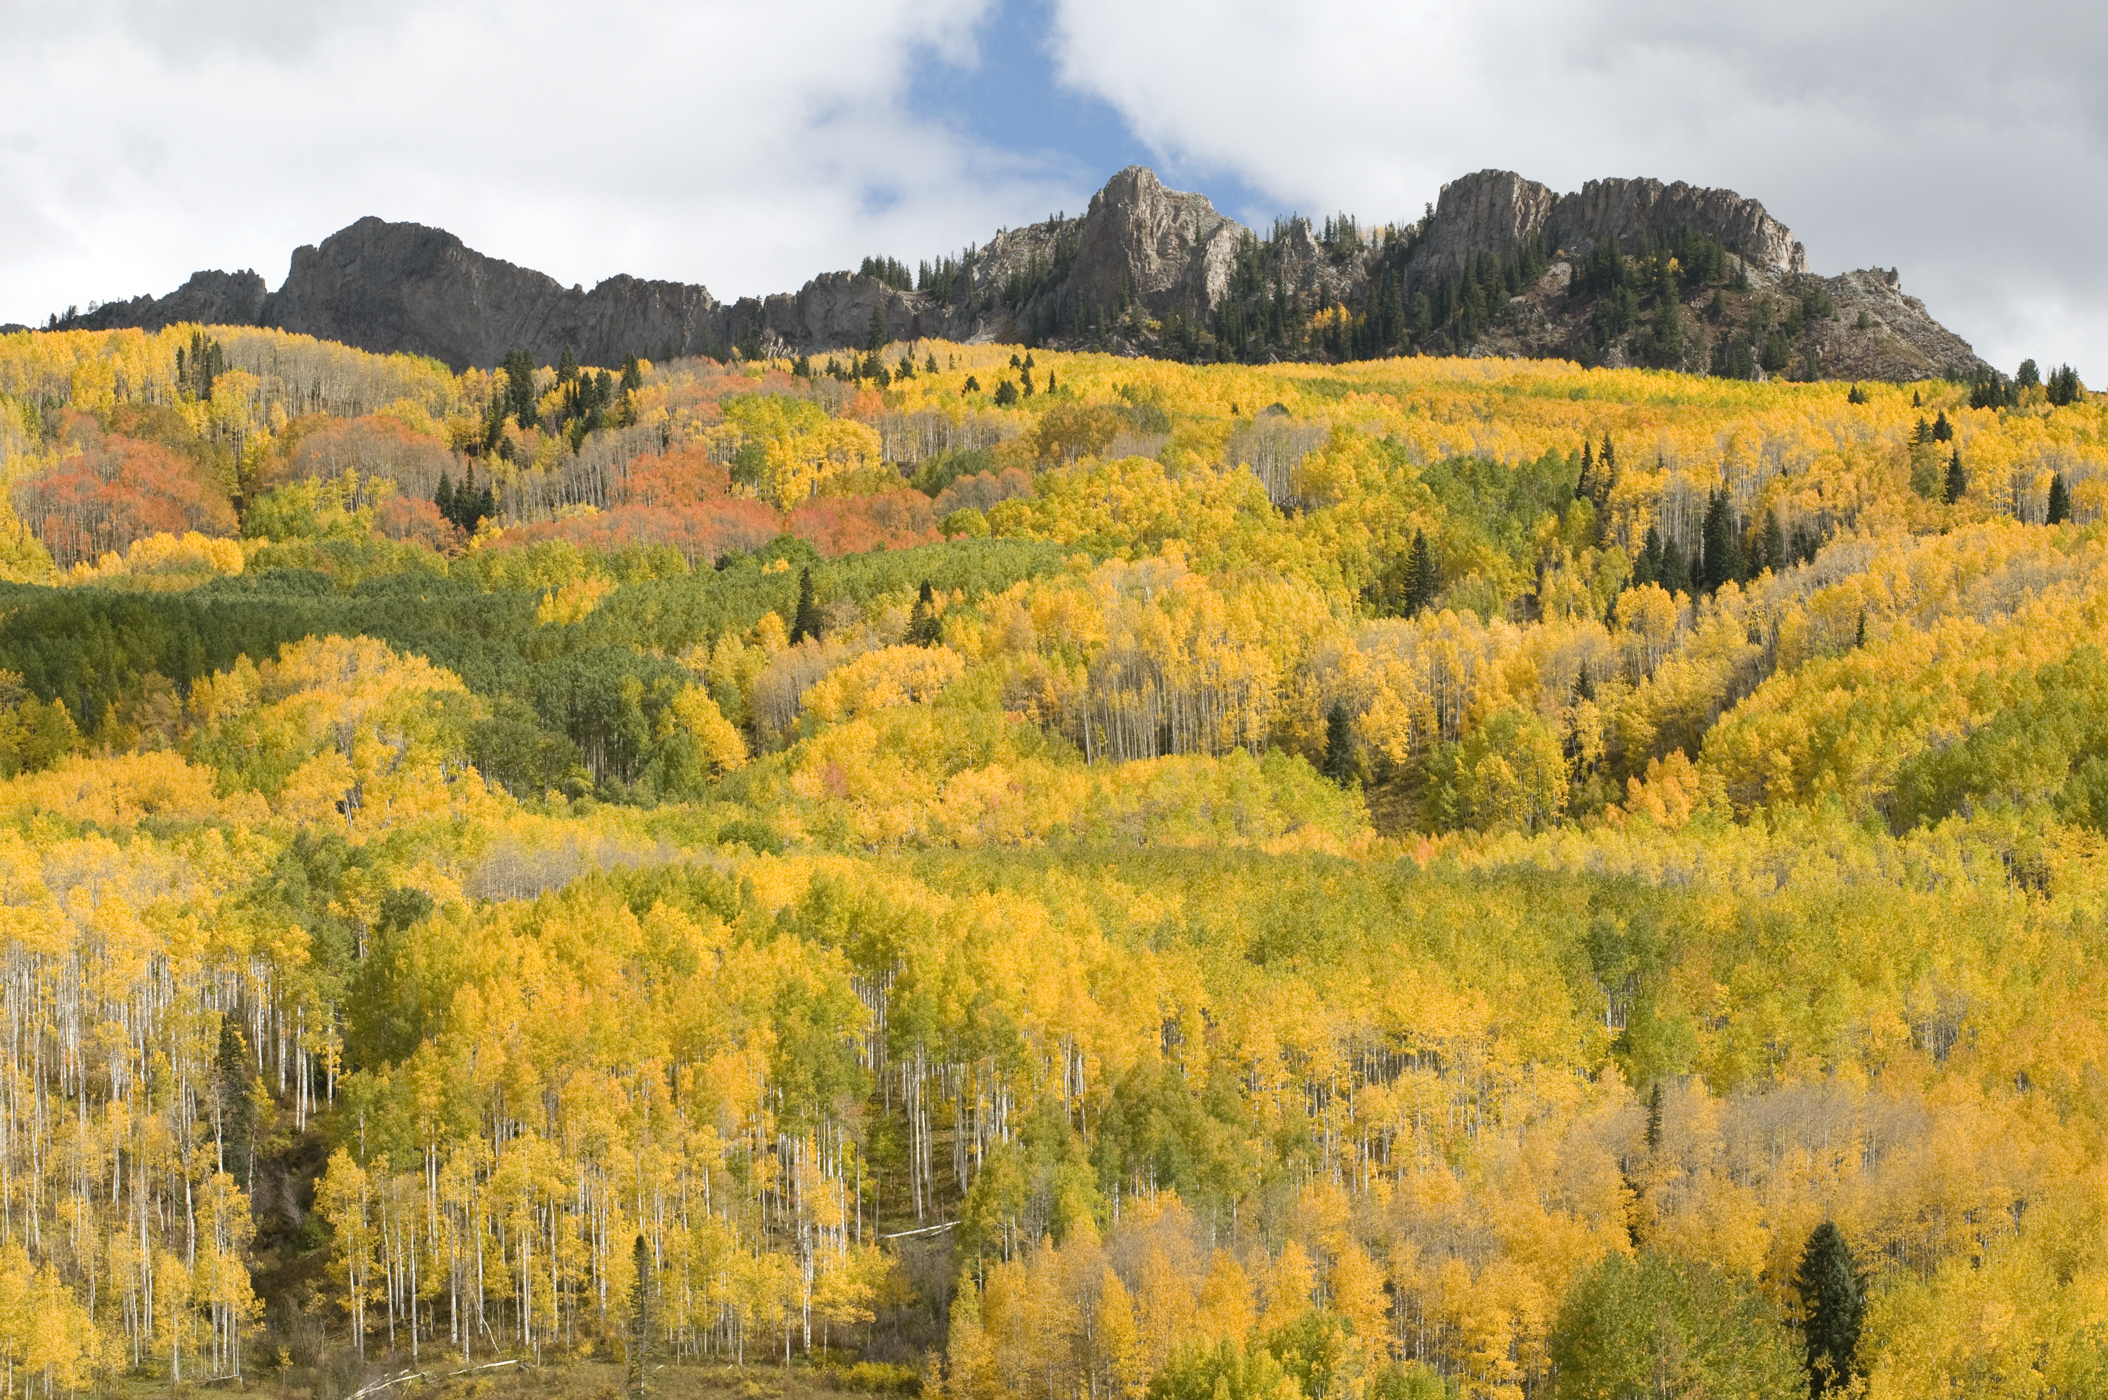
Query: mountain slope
{"x":1621,"y":272}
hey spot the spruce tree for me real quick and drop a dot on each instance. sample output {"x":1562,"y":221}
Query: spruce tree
{"x":1675,"y":573}
{"x":924,"y":629}
{"x":806,"y":621}
{"x":1721,"y":558}
{"x":237,"y":1113}
{"x":567,"y":366}
{"x":1585,"y":484}
{"x":1648,"y":567}
{"x":875,"y":339}
{"x":1654,"y":1118}
{"x":1957,"y":479}
{"x":2059,"y":502}
{"x":1771,"y":545}
{"x":1423,"y":576}
{"x":1833,"y":1306}
{"x":639,"y":1316}
{"x":632,"y":374}
{"x":1942,"y":430}
{"x":1339,"y":745}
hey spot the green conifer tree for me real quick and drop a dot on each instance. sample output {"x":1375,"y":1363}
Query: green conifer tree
{"x":1771,"y":545}
{"x":639,"y":1338}
{"x":1833,"y":1307}
{"x":1340,"y":759}
{"x":806,"y":621}
{"x":1957,"y":479}
{"x":2059,"y":502}
{"x":924,"y":627}
{"x":1423,"y":576}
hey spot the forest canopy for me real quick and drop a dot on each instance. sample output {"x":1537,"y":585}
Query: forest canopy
{"x":1038,"y":873}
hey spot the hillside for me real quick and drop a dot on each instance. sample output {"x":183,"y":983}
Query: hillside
{"x":1623,"y":272}
{"x":1007,"y":872}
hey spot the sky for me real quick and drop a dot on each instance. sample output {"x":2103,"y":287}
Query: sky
{"x":749,"y":146}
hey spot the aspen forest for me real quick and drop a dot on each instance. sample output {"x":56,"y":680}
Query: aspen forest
{"x":1008,"y":874}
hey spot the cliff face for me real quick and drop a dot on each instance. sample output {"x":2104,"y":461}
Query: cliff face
{"x":208,"y":298}
{"x":405,"y":287}
{"x":1145,"y":269}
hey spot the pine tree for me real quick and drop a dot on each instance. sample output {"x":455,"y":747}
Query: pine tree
{"x":1675,"y":573}
{"x":1005,"y":394}
{"x":924,"y":628}
{"x":1957,"y":479}
{"x":1942,"y":430}
{"x":1585,"y":484}
{"x":567,"y":366}
{"x":519,"y":387}
{"x":1833,"y":1306}
{"x":632,"y":374}
{"x":875,"y":339}
{"x":2059,"y":502}
{"x":1423,"y":576}
{"x":1648,"y":567}
{"x":1721,"y":558}
{"x":237,"y":1113}
{"x":1339,"y":745}
{"x":806,"y":621}
{"x":639,"y":1315}
{"x":1654,"y":1118}
{"x":1771,"y":545}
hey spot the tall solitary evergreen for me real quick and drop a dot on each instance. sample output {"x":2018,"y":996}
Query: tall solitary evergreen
{"x":2059,"y":502}
{"x":1721,"y":561}
{"x":1339,"y":744}
{"x":1833,"y":1306}
{"x":1957,"y":479}
{"x":806,"y":621}
{"x":1423,"y":577}
{"x":639,"y":1336}
{"x":924,"y":630}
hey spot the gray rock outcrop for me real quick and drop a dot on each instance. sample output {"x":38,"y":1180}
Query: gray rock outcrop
{"x":1144,"y":269}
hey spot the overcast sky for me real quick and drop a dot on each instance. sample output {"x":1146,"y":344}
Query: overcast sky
{"x":748,"y":146}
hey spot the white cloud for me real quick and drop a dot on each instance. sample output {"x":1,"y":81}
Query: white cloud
{"x":741,"y":146}
{"x":748,"y":147}
{"x":1967,"y":148}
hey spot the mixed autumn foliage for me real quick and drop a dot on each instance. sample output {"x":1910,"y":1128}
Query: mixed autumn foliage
{"x":1407,"y":878}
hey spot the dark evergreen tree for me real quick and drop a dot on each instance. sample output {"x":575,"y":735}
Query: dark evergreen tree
{"x":1005,"y":394}
{"x":567,"y":366}
{"x":632,"y":374}
{"x":972,"y":386}
{"x":1423,"y":575}
{"x":519,"y":387}
{"x":924,"y":627}
{"x":1771,"y":545}
{"x":806,"y":621}
{"x":1585,"y":484}
{"x":1720,"y":545}
{"x":2028,"y":375}
{"x":1858,"y":395}
{"x":1676,"y":573}
{"x":876,"y":337}
{"x":1957,"y":479}
{"x":1942,"y":430}
{"x":1647,"y":568}
{"x":1654,"y":1118}
{"x":2064,"y":386}
{"x":639,"y":1338}
{"x":236,"y":1110}
{"x":2059,"y":502}
{"x":1340,"y":765}
{"x":1833,"y":1306}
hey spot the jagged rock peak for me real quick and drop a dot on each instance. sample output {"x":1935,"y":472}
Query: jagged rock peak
{"x":1499,"y":210}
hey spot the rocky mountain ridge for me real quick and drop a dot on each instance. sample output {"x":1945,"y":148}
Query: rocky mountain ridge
{"x":1499,"y":265}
